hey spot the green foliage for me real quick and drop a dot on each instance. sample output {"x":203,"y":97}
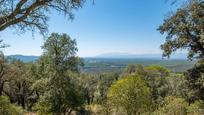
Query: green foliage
{"x":162,"y":82}
{"x":130,"y":95}
{"x":176,"y":85}
{"x":60,"y":51}
{"x":156,"y":70}
{"x":184,"y":30}
{"x":196,"y":81}
{"x":155,"y":78}
{"x":61,"y":100}
{"x":174,"y":106}
{"x":18,"y":83}
{"x":104,"y":83}
{"x":134,"y":69}
{"x":57,"y":66}
{"x":196,"y":108}
{"x":6,"y":108}
{"x":88,"y":86}
{"x":178,"y":106}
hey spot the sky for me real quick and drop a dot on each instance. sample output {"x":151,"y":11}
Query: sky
{"x":108,"y":26}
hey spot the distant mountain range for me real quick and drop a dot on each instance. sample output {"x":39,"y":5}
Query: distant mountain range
{"x":24,"y":58}
{"x":146,"y":56}
{"x":32,"y":58}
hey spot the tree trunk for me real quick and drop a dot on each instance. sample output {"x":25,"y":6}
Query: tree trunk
{"x":69,"y":112}
{"x":1,"y":87}
{"x":1,"y":79}
{"x":88,"y":100}
{"x":23,"y":102}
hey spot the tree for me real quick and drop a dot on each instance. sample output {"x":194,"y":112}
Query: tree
{"x":184,"y":30}
{"x":19,"y":84}
{"x":176,"y":85}
{"x":130,"y":95}
{"x":195,"y":79}
{"x":33,"y":14}
{"x":59,"y":63}
{"x":155,"y":78}
{"x":60,"y":50}
{"x":88,"y":85}
{"x":134,"y":69}
{"x":196,"y":108}
{"x":174,"y":106}
{"x":104,"y":83}
{"x":2,"y":72}
{"x":60,"y":100}
{"x":3,"y":67}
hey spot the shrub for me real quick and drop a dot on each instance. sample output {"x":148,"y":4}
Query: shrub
{"x":6,"y":108}
{"x":196,"y":108}
{"x":130,"y":95}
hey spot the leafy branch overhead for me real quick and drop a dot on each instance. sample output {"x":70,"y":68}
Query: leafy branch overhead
{"x":185,"y":30}
{"x":33,"y":14}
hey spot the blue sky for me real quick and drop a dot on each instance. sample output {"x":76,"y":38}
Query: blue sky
{"x":124,"y":26}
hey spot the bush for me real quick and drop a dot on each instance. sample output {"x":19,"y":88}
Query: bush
{"x":58,"y":101}
{"x":196,"y":108}
{"x":178,"y":106}
{"x":174,"y":106}
{"x":130,"y":95}
{"x":6,"y":108}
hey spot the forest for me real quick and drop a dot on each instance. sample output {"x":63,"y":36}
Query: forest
{"x":55,"y":84}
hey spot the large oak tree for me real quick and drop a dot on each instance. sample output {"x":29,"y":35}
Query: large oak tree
{"x":184,"y":29}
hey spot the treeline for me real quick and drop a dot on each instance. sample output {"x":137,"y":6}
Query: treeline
{"x":55,"y":85}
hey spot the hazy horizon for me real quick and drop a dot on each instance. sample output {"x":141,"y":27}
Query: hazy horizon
{"x":119,"y":55}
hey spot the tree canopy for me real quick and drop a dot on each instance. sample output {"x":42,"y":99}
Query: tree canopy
{"x":130,"y":94}
{"x":184,"y":30}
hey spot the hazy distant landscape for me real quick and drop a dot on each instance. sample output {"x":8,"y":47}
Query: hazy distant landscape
{"x":99,"y":65}
{"x":117,"y":63}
